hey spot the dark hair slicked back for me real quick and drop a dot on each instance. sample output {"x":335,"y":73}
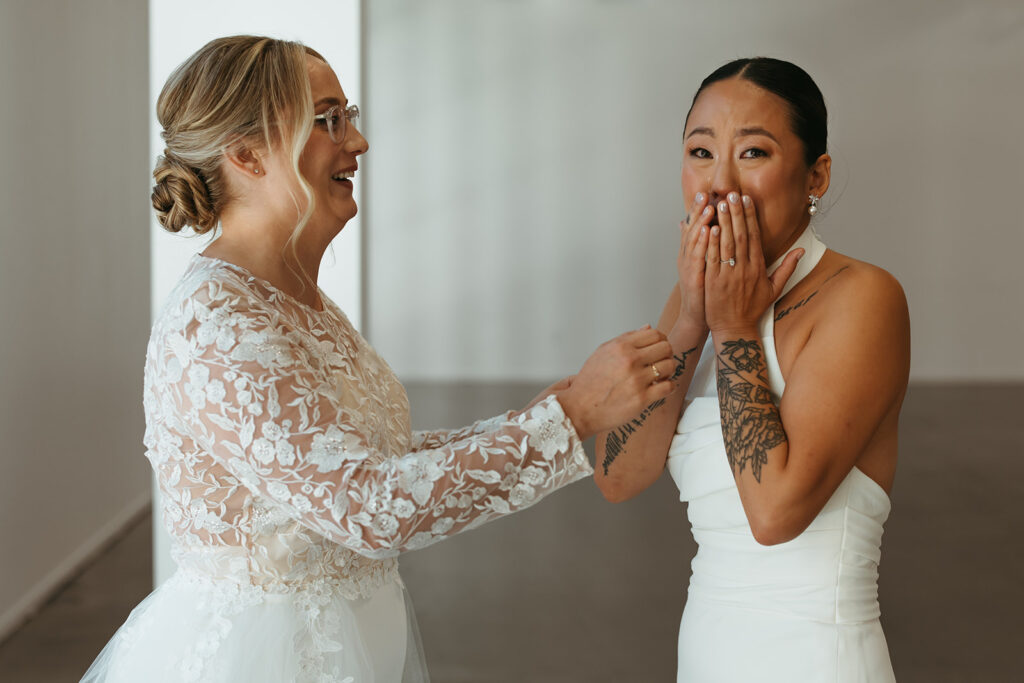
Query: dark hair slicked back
{"x":808,"y":114}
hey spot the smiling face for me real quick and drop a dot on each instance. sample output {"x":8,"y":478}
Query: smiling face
{"x":329,"y":166}
{"x":739,"y":138}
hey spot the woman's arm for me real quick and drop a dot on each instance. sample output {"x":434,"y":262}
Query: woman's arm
{"x":434,"y":438}
{"x":249,"y":392}
{"x":631,"y":457}
{"x":851,"y":373}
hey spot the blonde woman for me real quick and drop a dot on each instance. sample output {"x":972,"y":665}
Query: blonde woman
{"x":289,"y":477}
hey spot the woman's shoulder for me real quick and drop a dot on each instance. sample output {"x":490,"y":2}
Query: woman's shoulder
{"x":861,"y":295}
{"x":209,"y":289}
{"x":862,"y":282}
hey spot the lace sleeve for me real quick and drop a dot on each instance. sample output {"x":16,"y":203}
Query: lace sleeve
{"x":246,"y":389}
{"x":435,"y":438}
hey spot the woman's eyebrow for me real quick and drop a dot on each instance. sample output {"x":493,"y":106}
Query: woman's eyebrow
{"x":327,"y":100}
{"x":701,"y":131}
{"x":755,"y":131}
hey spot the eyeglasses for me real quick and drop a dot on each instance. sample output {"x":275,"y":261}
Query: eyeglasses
{"x":337,"y":119}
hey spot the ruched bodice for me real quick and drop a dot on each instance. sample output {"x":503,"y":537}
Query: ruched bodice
{"x":827,"y":577}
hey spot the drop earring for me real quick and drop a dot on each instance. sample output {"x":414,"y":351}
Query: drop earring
{"x":813,"y":208}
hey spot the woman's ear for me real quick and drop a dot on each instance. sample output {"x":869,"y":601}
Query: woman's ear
{"x":819,"y":176}
{"x":244,"y":159}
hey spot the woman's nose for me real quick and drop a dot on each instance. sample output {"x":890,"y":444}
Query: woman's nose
{"x":354,"y":142}
{"x":723,"y":180}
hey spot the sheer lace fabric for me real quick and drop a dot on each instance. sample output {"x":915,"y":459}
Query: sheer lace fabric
{"x":286,"y":465}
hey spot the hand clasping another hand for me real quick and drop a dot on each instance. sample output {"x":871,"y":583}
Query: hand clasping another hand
{"x":621,"y":378}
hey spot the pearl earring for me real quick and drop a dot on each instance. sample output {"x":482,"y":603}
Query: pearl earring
{"x":256,"y":171}
{"x":813,"y":208}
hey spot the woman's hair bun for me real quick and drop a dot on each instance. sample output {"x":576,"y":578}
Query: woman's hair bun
{"x":181,"y":196}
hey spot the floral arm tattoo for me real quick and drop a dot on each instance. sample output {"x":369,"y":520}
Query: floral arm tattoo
{"x":616,"y":440}
{"x":751,"y":424}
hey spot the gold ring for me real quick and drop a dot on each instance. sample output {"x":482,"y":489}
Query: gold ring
{"x":657,"y":375}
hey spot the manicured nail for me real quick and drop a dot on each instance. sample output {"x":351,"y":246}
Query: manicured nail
{"x":703,"y":229}
{"x":715,"y":231}
{"x":734,"y":198}
{"x":723,"y":207}
{"x":699,"y":197}
{"x":746,"y":200}
{"x":708,"y":209}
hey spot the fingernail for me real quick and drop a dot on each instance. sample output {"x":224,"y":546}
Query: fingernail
{"x":723,"y":207}
{"x":708,"y":209}
{"x":703,"y":229}
{"x":734,"y":198}
{"x":715,"y":231}
{"x":746,"y":200}
{"x":699,"y":197}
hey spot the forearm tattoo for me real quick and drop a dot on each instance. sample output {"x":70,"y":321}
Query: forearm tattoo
{"x":616,"y":439}
{"x":751,"y":424}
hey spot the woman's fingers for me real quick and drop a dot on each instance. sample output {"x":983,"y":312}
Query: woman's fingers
{"x":691,"y":231}
{"x":785,"y":270}
{"x":727,"y":245}
{"x":699,"y":251}
{"x":739,"y":226}
{"x":753,"y":230}
{"x":655,"y":352}
{"x":714,"y":250}
{"x":645,"y":336}
{"x":657,"y":391}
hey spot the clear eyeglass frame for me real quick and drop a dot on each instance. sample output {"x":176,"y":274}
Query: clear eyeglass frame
{"x":337,"y":119}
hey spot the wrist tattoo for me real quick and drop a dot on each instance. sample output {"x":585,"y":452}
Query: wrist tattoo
{"x":751,"y":425}
{"x":616,"y":439}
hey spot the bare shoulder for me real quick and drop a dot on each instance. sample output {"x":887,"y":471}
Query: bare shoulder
{"x":863,"y":291}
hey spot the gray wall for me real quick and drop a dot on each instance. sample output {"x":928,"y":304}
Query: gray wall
{"x":524,"y":169}
{"x":74,"y":286}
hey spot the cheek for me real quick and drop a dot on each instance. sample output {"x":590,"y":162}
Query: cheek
{"x":692,"y":182}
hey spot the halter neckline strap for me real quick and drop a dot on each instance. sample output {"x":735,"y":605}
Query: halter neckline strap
{"x":813,"y":248}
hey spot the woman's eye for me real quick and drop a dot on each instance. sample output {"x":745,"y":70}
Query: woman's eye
{"x":753,"y":153}
{"x":700,"y":153}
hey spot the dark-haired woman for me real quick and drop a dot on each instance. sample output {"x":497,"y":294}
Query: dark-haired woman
{"x":781,"y":433}
{"x":289,"y":477}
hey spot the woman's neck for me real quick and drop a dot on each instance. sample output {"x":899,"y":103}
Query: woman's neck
{"x":266,"y":251}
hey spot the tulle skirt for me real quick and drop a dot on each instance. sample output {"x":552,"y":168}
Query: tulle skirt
{"x":196,"y":630}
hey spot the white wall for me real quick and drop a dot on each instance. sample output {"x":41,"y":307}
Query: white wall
{"x":74,"y":287}
{"x":180,"y":27}
{"x":525,"y":159}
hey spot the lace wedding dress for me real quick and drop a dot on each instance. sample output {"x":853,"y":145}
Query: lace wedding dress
{"x":805,"y":611}
{"x":290,"y":481}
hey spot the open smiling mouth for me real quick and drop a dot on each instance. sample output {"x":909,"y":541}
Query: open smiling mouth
{"x":344,"y":177}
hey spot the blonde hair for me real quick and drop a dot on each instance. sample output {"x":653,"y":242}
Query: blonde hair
{"x":239,"y":89}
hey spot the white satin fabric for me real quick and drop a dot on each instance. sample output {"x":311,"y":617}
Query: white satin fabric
{"x":803,"y":611}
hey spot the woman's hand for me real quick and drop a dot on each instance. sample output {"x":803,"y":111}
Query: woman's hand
{"x":621,"y":378}
{"x":560,"y":385}
{"x":736,"y":296}
{"x":690,"y":262}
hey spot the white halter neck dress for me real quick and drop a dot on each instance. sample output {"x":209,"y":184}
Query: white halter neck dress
{"x":805,"y":611}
